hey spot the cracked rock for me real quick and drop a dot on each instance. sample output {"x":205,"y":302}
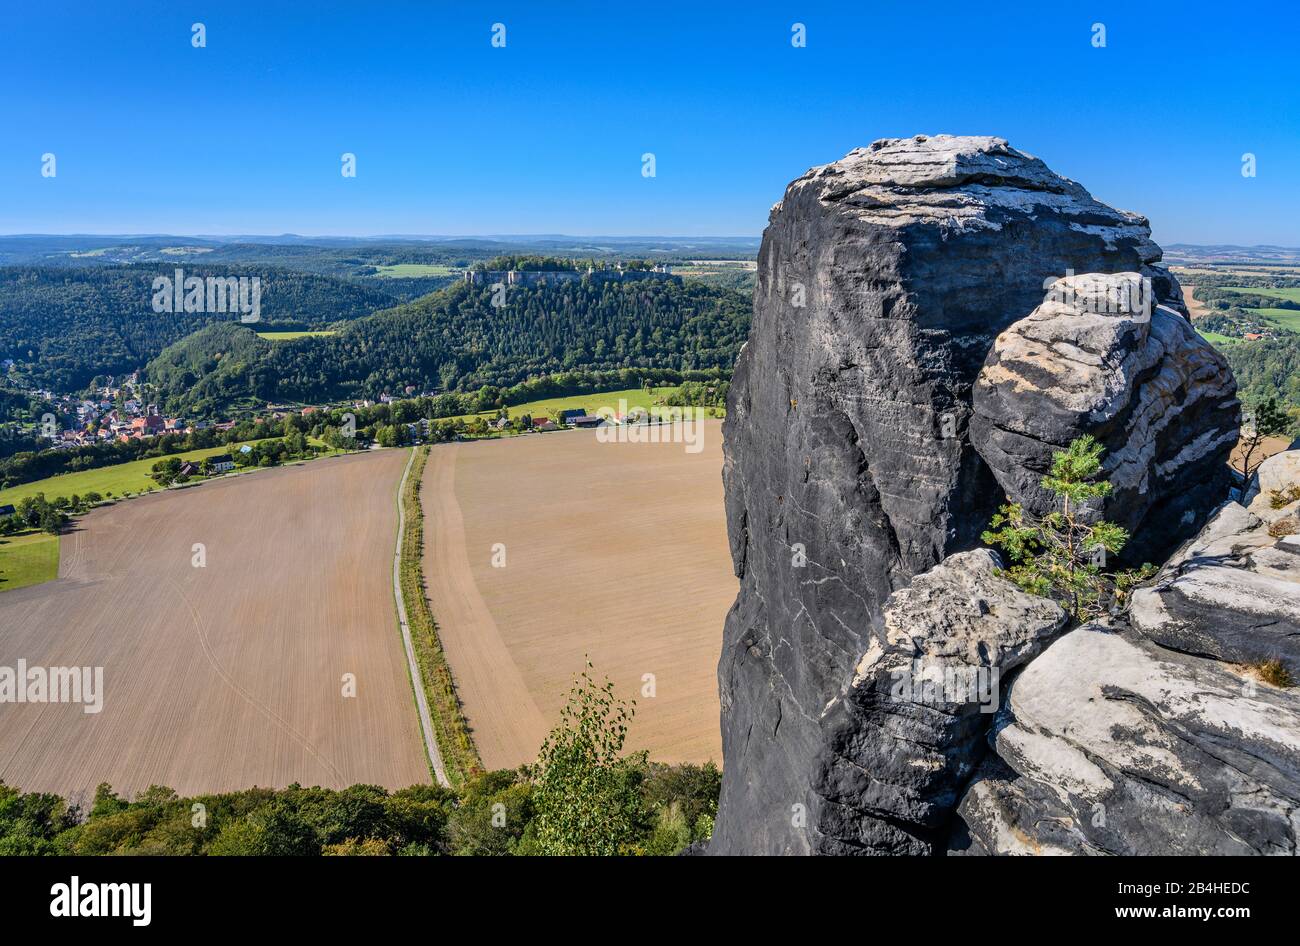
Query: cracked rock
{"x":1102,"y":356}
{"x":1110,"y":744}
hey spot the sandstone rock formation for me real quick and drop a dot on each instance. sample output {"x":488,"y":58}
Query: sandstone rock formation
{"x":900,"y":744}
{"x":1099,"y":356}
{"x":1277,"y":479}
{"x":1110,"y":744}
{"x":1233,"y":594}
{"x":883,"y":280}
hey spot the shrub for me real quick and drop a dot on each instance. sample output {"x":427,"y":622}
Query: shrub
{"x":1278,"y":498}
{"x":1287,"y":525}
{"x":1273,"y":672}
{"x":586,"y":794}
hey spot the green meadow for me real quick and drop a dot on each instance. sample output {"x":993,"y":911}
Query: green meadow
{"x":1217,"y":340}
{"x":1292,"y":294}
{"x":28,"y":559}
{"x":289,"y":336}
{"x":407,"y":270}
{"x":130,"y":477}
{"x":591,"y":403}
{"x":1287,"y":318}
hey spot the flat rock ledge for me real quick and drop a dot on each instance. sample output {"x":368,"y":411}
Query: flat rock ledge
{"x":1111,"y":744}
{"x":1232,"y":594}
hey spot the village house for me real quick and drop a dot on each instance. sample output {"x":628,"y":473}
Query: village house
{"x":147,"y":426}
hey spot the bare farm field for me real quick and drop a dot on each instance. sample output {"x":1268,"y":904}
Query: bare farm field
{"x":616,"y":551}
{"x":233,"y":674}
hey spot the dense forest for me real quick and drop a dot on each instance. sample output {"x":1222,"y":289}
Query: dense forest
{"x":1268,"y":370}
{"x":556,"y":264}
{"x":62,"y":327}
{"x":456,"y":340}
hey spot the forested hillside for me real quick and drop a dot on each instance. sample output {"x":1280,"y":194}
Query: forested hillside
{"x":1268,"y":370}
{"x":455,"y":339}
{"x":63,"y":326}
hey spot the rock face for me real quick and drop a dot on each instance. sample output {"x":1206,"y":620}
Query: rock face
{"x":882,"y":282}
{"x":1100,"y":356}
{"x":902,"y":741}
{"x":1110,"y":744}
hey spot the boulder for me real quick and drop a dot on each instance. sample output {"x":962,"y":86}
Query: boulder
{"x":1232,"y":594}
{"x":1110,"y":744}
{"x":1272,"y":480}
{"x":906,"y":734}
{"x":882,"y":282}
{"x":1230,"y":533}
{"x":1101,"y":357}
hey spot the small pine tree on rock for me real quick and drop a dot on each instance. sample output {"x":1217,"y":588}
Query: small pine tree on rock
{"x":1062,"y":555}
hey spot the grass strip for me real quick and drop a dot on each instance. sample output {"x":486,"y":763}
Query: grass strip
{"x":455,"y":742}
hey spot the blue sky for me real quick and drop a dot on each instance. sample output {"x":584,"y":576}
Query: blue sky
{"x":453,"y":136}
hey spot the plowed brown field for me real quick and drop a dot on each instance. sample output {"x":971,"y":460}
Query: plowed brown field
{"x":617,"y":551}
{"x":230,"y":675}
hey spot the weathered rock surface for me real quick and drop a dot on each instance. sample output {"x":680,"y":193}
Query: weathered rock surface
{"x":1110,"y":744}
{"x":1100,"y":357}
{"x":1232,"y":594}
{"x":883,"y":280}
{"x":905,"y":736}
{"x":1277,"y":474}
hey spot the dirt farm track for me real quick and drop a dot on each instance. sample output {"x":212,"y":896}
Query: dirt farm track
{"x":617,"y":551}
{"x":229,"y":675}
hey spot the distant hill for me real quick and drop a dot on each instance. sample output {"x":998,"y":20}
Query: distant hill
{"x":455,"y":339}
{"x":1185,"y":254}
{"x":63,"y":326}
